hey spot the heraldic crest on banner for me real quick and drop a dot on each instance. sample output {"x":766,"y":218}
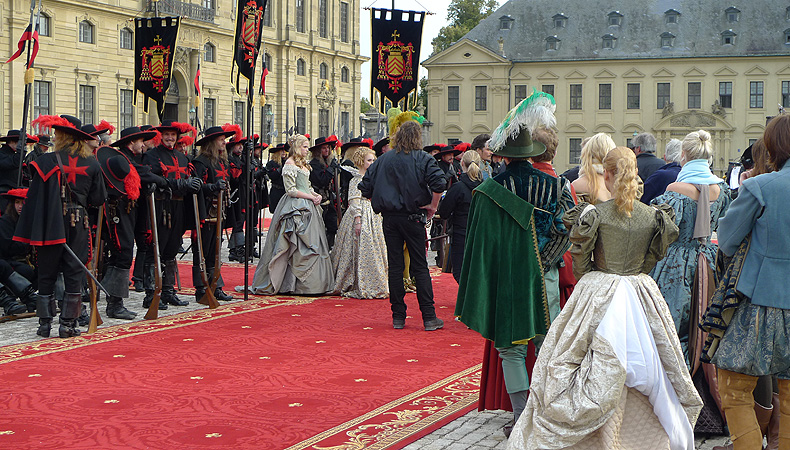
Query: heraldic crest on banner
{"x":155,"y":41}
{"x":396,"y":50}
{"x":247,"y":38}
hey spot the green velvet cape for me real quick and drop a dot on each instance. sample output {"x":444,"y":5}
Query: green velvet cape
{"x":501,"y":293}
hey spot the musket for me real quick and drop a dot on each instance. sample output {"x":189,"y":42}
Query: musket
{"x":208,"y":298}
{"x":217,"y":257}
{"x":153,"y":308}
{"x":85,"y":269}
{"x":95,"y":319}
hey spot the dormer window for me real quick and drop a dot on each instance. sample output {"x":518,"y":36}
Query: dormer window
{"x":560,"y":20}
{"x":787,"y":13}
{"x":609,"y":41}
{"x":552,"y":43}
{"x":615,"y":19}
{"x":672,"y":16}
{"x":728,"y":37}
{"x":667,"y":40}
{"x":506,"y":22}
{"x":787,"y":36}
{"x":733,"y":14}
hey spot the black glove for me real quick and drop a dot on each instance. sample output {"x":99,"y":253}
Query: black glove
{"x":161,"y":182}
{"x":193,"y":185}
{"x":334,"y":165}
{"x":218,"y":186}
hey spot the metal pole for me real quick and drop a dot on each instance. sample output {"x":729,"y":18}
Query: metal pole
{"x":20,"y":146}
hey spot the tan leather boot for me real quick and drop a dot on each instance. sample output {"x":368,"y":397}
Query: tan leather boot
{"x":737,"y":400}
{"x":763,"y":418}
{"x":773,"y":426}
{"x":784,"y":413}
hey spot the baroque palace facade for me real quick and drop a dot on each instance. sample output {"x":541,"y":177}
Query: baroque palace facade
{"x":85,"y":66}
{"x":620,"y":67}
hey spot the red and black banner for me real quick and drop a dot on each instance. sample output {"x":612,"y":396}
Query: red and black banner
{"x":28,"y":37}
{"x":249,"y":19}
{"x":154,"y":50}
{"x":396,"y":55}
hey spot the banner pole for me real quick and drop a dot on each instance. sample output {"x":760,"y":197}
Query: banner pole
{"x":29,"y":78}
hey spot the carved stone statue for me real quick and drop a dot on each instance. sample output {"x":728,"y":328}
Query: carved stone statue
{"x":669,"y":108}
{"x":717,"y":109}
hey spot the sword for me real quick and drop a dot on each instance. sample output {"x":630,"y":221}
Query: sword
{"x":85,"y":269}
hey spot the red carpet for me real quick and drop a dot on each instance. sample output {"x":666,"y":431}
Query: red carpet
{"x":270,"y":373}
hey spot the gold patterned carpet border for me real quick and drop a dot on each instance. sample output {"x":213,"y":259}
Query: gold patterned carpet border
{"x":406,"y":419}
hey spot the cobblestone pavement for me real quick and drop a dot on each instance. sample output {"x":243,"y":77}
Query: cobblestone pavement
{"x":473,"y":431}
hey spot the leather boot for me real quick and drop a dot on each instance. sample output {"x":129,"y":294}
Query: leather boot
{"x":168,"y":285}
{"x":218,"y":292}
{"x":737,"y":399}
{"x":10,"y":306}
{"x":773,"y":426}
{"x":116,"y":310}
{"x":84,"y":318}
{"x":221,"y":295}
{"x":68,"y":316}
{"x":784,"y":415}
{"x":22,"y":288}
{"x":45,"y":310}
{"x":764,"y":416}
{"x":233,"y":254}
{"x":149,"y":297}
{"x":200,"y":291}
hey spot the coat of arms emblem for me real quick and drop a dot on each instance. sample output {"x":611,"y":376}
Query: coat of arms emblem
{"x":395,"y":61}
{"x":250,"y":30}
{"x":156,"y":64}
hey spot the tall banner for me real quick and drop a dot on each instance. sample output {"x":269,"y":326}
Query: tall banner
{"x":154,"y":49}
{"x":396,"y":53}
{"x":248,"y":39}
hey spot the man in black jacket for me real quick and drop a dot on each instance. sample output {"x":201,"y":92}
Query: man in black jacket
{"x":322,"y":178}
{"x":405,"y":186}
{"x":644,"y":147}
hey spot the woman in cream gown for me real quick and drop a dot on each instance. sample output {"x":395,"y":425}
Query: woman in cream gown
{"x":610,"y":373}
{"x":295,"y":258}
{"x":359,"y":256}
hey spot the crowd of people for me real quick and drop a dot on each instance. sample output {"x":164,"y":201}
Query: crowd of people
{"x":641,"y":319}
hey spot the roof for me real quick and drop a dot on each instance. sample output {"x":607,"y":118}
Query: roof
{"x":700,"y":26}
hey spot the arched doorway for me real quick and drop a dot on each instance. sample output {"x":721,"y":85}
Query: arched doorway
{"x":679,"y":124}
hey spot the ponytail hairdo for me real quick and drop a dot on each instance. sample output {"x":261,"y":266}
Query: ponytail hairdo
{"x":471,"y":161}
{"x":592,"y":158}
{"x":621,"y":163}
{"x":696,"y":145}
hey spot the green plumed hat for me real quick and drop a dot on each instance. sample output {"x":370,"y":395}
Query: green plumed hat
{"x":513,"y":137}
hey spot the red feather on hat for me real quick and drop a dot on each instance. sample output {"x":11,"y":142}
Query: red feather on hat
{"x":157,"y":139}
{"x":368,"y":141}
{"x":31,"y":138}
{"x":256,"y":136}
{"x":463,"y":146}
{"x":307,"y":135}
{"x":184,"y":128}
{"x":132,"y":183}
{"x":186,"y":141}
{"x":48,"y":121}
{"x":235,"y":129}
{"x":334,"y":138}
{"x":264,"y":145}
{"x":105,"y":126}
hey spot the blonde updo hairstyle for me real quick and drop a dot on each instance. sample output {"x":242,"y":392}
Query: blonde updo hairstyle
{"x":592,"y":158}
{"x":295,"y":142}
{"x":358,"y":157}
{"x":696,"y":145}
{"x":471,"y":162}
{"x":621,"y":163}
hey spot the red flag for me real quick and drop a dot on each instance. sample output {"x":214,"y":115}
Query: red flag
{"x":262,"y":88}
{"x":28,"y":35}
{"x":197,"y":80}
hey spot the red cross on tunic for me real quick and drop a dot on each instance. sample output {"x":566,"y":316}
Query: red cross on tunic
{"x":72,"y":170}
{"x":222,"y":172}
{"x":175,"y":168}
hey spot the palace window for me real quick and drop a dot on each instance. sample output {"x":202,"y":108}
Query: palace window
{"x":695,"y":95}
{"x":609,"y":41}
{"x":86,"y":32}
{"x":238,"y":113}
{"x":267,"y":14}
{"x":43,"y":25}
{"x":268,"y":62}
{"x":126,"y":39}
{"x":605,"y":96}
{"x":786,"y":94}
{"x":266,"y":123}
{"x":345,"y":121}
{"x":343,"y":21}
{"x":126,"y":109}
{"x":632,"y":95}
{"x":506,"y":22}
{"x":300,"y":67}
{"x":323,"y":122}
{"x":787,"y":36}
{"x":548,"y":88}
{"x":615,"y":19}
{"x":662,"y":95}
{"x":344,"y":74}
{"x":453,"y":96}
{"x":209,"y":52}
{"x":672,"y":16}
{"x":300,"y":16}
{"x":208,"y":4}
{"x":301,"y":120}
{"x":481,"y":98}
{"x":574,"y":150}
{"x":725,"y":94}
{"x":667,"y":40}
{"x":209,"y":112}
{"x":755,"y":94}
{"x":576,"y":96}
{"x":41,"y":92}
{"x":322,"y":13}
{"x":520,"y":91}
{"x":733,"y":14}
{"x":87,"y":95}
{"x":552,"y":43}
{"x":323,"y":73}
{"x":728,"y":37}
{"x":560,"y":20}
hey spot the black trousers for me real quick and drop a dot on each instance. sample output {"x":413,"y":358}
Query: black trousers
{"x":330,"y":222}
{"x":457,"y":254}
{"x":54,"y":258}
{"x":121,"y":234}
{"x":208,"y":235}
{"x":170,"y":227}
{"x":397,"y":231}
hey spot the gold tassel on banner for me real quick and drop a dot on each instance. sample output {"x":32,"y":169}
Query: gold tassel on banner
{"x":30,"y":76}
{"x":263,"y":100}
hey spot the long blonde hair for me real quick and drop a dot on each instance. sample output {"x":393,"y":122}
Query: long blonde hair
{"x":214,"y":153}
{"x":592,"y":158}
{"x":295,"y":142}
{"x":471,"y":161}
{"x":621,"y":162}
{"x":74,"y":146}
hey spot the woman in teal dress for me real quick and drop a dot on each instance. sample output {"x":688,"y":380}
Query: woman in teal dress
{"x":295,"y":258}
{"x":695,"y":183}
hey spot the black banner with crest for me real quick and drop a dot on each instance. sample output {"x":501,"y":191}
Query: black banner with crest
{"x":154,"y":50}
{"x":249,"y":18}
{"x":397,"y":36}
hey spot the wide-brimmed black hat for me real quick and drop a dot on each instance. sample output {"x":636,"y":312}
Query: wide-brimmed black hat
{"x":168,"y":125}
{"x":211,"y":133}
{"x":132,"y":133}
{"x":12,"y":135}
{"x":95,"y":130}
{"x":432,"y":147}
{"x":447,"y":150}
{"x":71,"y":125}
{"x":355,"y":142}
{"x":17,"y":193}
{"x":115,"y":167}
{"x":45,"y":140}
{"x":330,"y":141}
{"x":279,"y":147}
{"x":379,"y":146}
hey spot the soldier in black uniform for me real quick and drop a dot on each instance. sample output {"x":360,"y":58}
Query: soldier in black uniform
{"x":126,"y":206}
{"x":211,"y":166}
{"x":16,"y":260}
{"x":174,"y":167}
{"x":451,"y":168}
{"x":66,"y":182}
{"x":260,"y":192}
{"x":238,"y":197}
{"x":9,"y":164}
{"x":274,"y":171}
{"x":142,"y":237}
{"x":322,"y":177}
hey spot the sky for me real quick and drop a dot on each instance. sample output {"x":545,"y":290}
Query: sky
{"x":430,"y":29}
